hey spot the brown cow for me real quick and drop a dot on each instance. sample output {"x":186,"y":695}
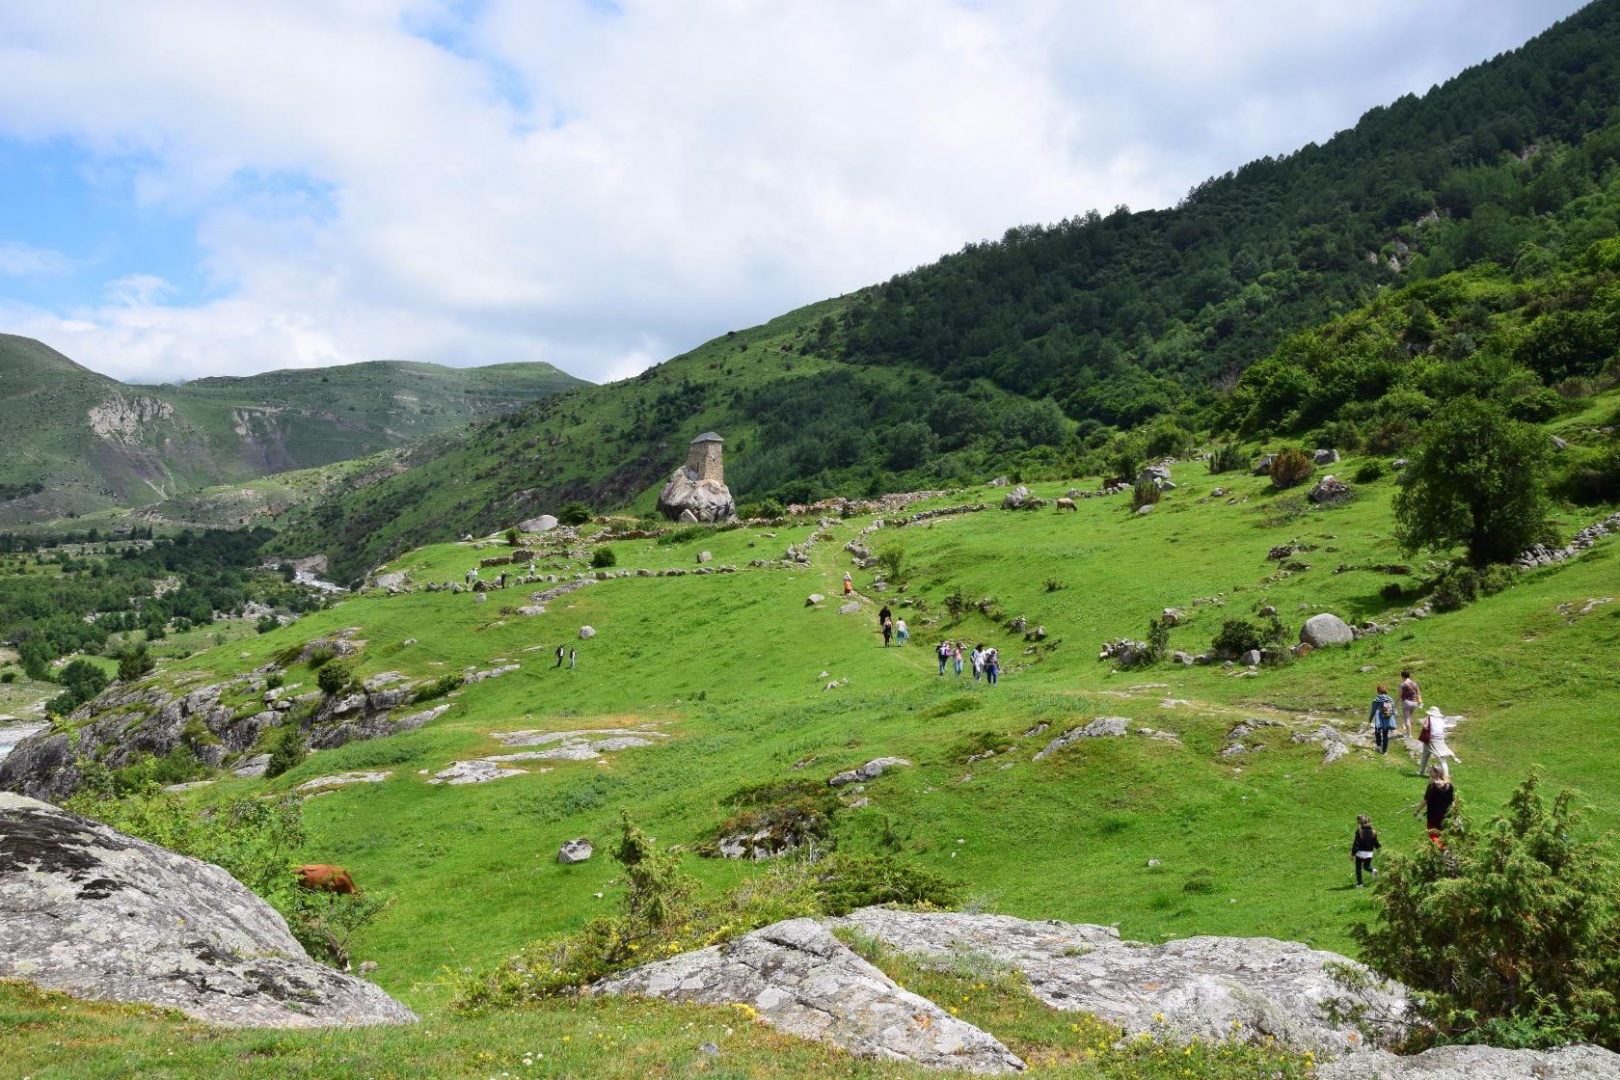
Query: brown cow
{"x":323,"y":877}
{"x":1066,"y":504}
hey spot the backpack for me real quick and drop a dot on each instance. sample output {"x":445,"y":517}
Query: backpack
{"x":1386,"y":708}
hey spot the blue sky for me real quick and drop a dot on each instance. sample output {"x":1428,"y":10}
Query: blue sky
{"x":190,"y":188}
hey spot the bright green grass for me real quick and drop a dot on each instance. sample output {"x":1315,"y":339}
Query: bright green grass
{"x":731,"y":666}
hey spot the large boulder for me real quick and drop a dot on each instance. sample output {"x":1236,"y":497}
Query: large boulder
{"x":803,"y":981}
{"x":1326,"y":629}
{"x":543,"y":523}
{"x":1329,"y":490}
{"x":687,"y":497}
{"x":1208,"y":988}
{"x":91,"y":912}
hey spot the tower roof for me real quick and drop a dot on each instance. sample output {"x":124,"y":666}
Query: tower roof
{"x":708,"y":436}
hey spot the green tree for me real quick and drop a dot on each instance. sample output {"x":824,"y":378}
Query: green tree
{"x":1476,"y":479}
{"x":1511,"y":932}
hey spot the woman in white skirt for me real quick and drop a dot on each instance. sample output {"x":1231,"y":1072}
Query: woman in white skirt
{"x":1435,"y":744}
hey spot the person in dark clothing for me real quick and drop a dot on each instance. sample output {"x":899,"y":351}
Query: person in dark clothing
{"x":559,"y":656}
{"x":885,"y":616}
{"x":1436,"y":803}
{"x":888,"y":632}
{"x":1363,"y":845}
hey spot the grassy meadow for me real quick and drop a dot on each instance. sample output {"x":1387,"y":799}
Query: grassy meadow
{"x":735,"y":669}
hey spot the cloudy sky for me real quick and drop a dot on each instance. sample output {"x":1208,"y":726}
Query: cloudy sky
{"x":193,"y":187}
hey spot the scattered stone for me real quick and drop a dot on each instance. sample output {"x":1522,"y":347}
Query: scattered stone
{"x":1145,"y":508}
{"x":1559,"y":444}
{"x":91,"y":912}
{"x":1330,"y":489}
{"x":253,"y":767}
{"x":803,"y":981}
{"x":813,"y":599}
{"x":575,"y":851}
{"x":1019,"y":498}
{"x":851,"y":608}
{"x":586,"y":633}
{"x":543,"y":523}
{"x":870,"y":771}
{"x":704,"y":556}
{"x":1326,"y":457}
{"x":1324,"y":630}
{"x":1251,"y":658}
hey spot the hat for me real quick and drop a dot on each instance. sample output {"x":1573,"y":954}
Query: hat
{"x":1434,"y":710}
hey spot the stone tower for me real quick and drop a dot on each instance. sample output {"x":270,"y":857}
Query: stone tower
{"x":704,"y":458}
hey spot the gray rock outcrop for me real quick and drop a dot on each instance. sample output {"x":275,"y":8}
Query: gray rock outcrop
{"x":803,"y":981}
{"x":1328,"y":490}
{"x":575,"y":851}
{"x":691,"y":499}
{"x":1201,"y":987}
{"x":1104,"y":727}
{"x":1324,"y":630}
{"x":91,"y":912}
{"x":1580,"y":1062}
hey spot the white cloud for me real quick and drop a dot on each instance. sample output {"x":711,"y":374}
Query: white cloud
{"x":23,"y":260}
{"x":603,"y":189}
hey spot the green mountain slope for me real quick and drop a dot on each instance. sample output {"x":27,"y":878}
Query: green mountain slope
{"x":78,"y":441}
{"x":1034,"y":353}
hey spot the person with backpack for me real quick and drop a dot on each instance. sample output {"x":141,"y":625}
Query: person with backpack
{"x":943,"y":653}
{"x":1436,"y":802}
{"x":1382,"y":717}
{"x":1433,"y":738}
{"x":992,"y":666}
{"x":1363,"y":845}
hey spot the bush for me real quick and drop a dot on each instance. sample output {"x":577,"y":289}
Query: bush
{"x":574,"y":513}
{"x":1229,"y":458}
{"x":1290,"y":468}
{"x":1145,"y":493}
{"x":267,"y":624}
{"x":1392,"y":592}
{"x":133,"y":663}
{"x":8,"y":677}
{"x":513,"y":537}
{"x":603,"y":558}
{"x":437,"y":688}
{"x":1238,"y":636}
{"x":335,"y":677}
{"x":1369,"y":471}
{"x":1455,"y":588}
{"x":287,"y":751}
{"x":1510,"y":932}
{"x":1496,"y":578}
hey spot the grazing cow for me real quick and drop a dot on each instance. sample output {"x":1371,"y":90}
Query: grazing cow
{"x":1066,"y":504}
{"x":322,"y":877}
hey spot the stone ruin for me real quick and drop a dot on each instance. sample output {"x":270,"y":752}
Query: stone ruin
{"x":697,"y":491}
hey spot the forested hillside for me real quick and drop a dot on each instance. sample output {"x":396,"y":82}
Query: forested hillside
{"x":1466,"y":224}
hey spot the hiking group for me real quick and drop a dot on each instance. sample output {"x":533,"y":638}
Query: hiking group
{"x":1439,"y":796}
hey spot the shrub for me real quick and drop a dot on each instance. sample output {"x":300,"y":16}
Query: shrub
{"x":1392,"y":592}
{"x":1455,"y":588}
{"x":1369,"y":471}
{"x":267,"y":624}
{"x":287,"y":751}
{"x":133,"y":663}
{"x":892,"y":561}
{"x":1145,"y":493}
{"x":574,"y":513}
{"x":1290,"y":468}
{"x":437,"y":688}
{"x":335,"y":677}
{"x":603,"y":558}
{"x":1510,"y":932}
{"x":1238,"y":636}
{"x":1496,"y":578}
{"x":8,"y":677}
{"x":274,"y":680}
{"x":513,"y":537}
{"x":1229,"y":458}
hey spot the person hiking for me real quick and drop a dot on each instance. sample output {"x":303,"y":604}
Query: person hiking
{"x":559,"y":657}
{"x":1433,"y":738}
{"x":885,"y":615}
{"x":1363,"y":845}
{"x":1411,"y":698}
{"x":978,"y":662}
{"x":943,"y":653}
{"x":956,"y":654}
{"x":573,"y":655}
{"x":1382,"y":717}
{"x":888,"y":632}
{"x":992,"y":666}
{"x":849,"y":586}
{"x":1436,"y":803}
{"x":901,"y":634}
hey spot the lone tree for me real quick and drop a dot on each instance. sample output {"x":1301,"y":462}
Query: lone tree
{"x":1476,"y":480}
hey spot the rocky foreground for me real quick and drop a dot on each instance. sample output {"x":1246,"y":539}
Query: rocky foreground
{"x":801,"y":978}
{"x":91,"y":912}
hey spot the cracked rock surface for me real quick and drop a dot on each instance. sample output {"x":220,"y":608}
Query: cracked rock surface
{"x":94,"y":913}
{"x":1479,"y":1063}
{"x":1200,"y":986}
{"x":805,"y":982}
